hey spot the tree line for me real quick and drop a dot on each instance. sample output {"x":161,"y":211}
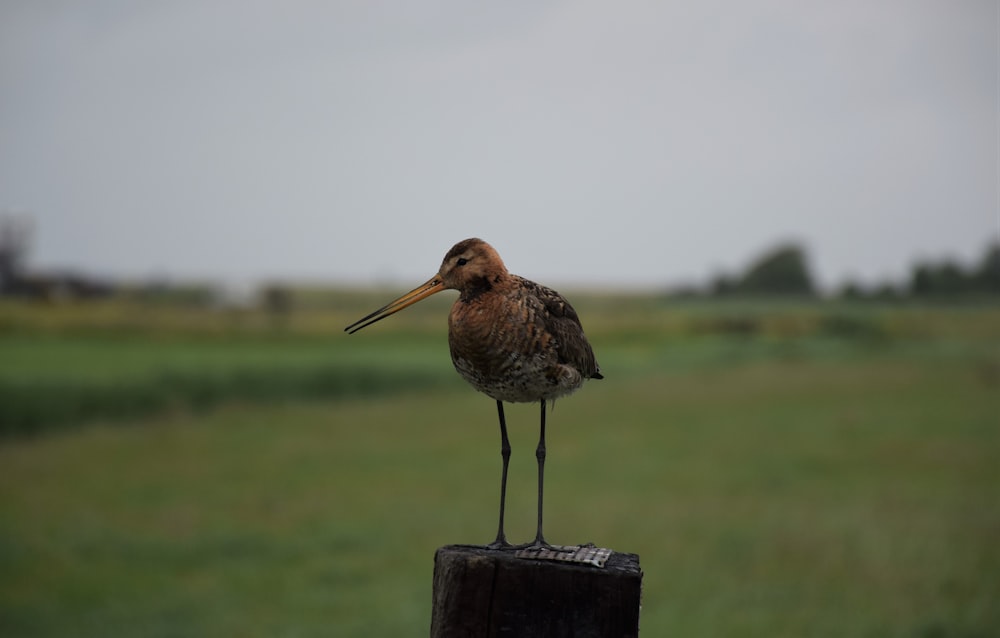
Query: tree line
{"x":784,"y":271}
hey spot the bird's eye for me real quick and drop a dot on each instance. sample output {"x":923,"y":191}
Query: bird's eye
{"x":461,"y":261}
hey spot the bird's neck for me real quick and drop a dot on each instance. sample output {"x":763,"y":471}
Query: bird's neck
{"x":483,"y":285}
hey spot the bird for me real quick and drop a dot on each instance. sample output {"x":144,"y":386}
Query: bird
{"x":512,"y":339}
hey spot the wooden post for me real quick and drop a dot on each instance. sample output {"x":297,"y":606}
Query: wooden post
{"x":480,"y":593}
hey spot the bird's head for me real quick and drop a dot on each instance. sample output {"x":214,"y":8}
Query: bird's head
{"x":470,"y":265}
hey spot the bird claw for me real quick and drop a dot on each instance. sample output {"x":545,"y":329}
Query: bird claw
{"x":500,"y":544}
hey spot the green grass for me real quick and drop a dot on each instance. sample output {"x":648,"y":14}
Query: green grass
{"x":64,"y":381}
{"x":794,"y":481}
{"x":63,"y":365}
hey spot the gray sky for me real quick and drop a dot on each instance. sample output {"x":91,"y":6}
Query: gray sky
{"x":616,"y":143}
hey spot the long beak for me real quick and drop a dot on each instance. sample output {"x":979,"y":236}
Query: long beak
{"x":433,"y":285}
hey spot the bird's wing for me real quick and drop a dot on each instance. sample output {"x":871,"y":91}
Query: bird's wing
{"x":559,"y":319}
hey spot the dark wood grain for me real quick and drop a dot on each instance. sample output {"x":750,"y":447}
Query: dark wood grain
{"x":480,"y":593}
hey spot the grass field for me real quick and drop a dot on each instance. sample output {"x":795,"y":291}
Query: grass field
{"x":781,"y":469}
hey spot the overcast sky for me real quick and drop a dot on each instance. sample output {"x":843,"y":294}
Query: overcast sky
{"x":613,"y":143}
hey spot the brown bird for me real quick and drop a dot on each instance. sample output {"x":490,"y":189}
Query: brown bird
{"x":512,"y":339}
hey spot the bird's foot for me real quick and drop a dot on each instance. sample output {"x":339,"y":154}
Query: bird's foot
{"x":500,"y":543}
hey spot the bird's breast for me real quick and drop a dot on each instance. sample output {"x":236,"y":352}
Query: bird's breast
{"x":500,"y":347}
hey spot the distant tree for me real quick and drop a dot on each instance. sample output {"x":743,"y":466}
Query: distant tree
{"x":277,"y":299}
{"x":723,"y":285}
{"x":782,"y":271}
{"x":988,"y":274}
{"x":942,"y":278}
{"x":887,"y":291}
{"x":15,"y":238}
{"x":952,"y":278}
{"x":851,"y":290}
{"x":922,"y":280}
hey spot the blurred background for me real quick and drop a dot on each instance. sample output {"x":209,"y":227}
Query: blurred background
{"x":779,"y":222}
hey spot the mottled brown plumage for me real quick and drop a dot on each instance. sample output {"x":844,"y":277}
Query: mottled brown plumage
{"x":510,"y":338}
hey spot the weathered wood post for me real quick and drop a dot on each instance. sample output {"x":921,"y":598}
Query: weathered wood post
{"x":583,"y":592}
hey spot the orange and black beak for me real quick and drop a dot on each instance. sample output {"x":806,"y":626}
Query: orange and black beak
{"x":433,"y":285}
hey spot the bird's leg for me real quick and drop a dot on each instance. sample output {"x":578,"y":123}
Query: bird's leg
{"x":501,"y":540}
{"x":540,"y":455}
